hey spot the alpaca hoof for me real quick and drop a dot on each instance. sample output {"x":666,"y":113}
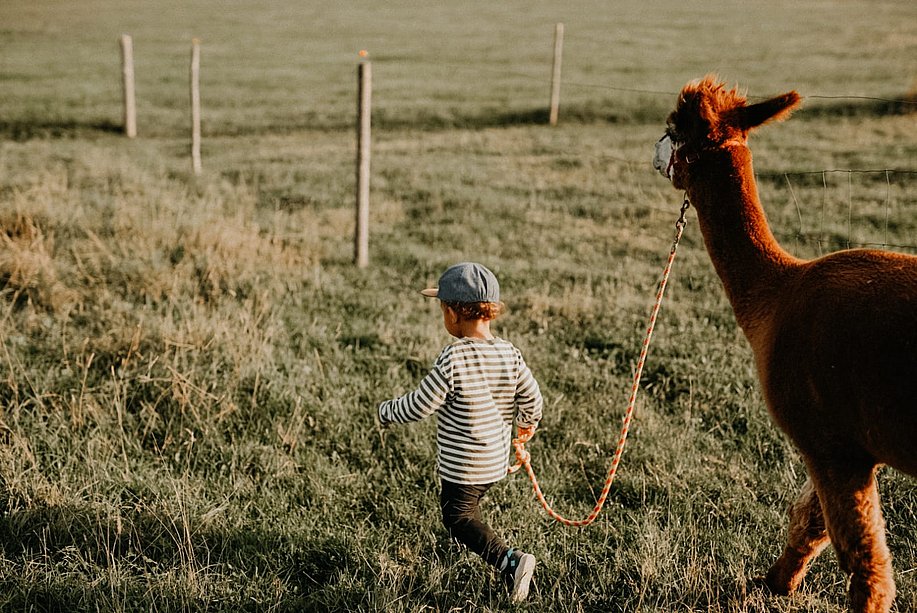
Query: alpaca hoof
{"x":776,"y":583}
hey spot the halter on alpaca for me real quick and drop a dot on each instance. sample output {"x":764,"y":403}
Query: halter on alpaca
{"x":664,"y":158}
{"x":834,"y":341}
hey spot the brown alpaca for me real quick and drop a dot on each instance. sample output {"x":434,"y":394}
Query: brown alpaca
{"x":834,"y":341}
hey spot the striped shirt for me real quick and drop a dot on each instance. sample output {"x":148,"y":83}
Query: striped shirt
{"x":477,"y":388}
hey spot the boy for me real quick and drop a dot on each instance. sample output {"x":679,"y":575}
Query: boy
{"x":478,"y":387}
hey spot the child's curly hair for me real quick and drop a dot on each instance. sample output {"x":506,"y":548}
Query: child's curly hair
{"x":477,"y":310}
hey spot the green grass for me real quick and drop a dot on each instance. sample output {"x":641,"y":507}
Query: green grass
{"x":189,"y":366}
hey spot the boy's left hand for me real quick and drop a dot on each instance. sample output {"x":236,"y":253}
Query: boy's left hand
{"x":524,"y":435}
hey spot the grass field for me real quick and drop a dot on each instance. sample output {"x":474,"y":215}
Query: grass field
{"x":190,"y":365}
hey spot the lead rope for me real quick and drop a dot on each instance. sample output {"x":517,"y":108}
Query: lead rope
{"x":524,"y":458}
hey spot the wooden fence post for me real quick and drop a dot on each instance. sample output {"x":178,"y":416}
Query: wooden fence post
{"x":127,"y":73}
{"x":196,"y":105}
{"x":555,"y":73}
{"x":364,"y":104}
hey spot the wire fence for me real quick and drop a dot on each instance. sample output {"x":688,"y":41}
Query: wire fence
{"x":878,"y":216}
{"x":848,"y":216}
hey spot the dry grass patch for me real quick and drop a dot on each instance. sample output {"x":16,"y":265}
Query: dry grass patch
{"x":27,"y":266}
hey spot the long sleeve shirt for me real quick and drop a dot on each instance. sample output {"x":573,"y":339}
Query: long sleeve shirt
{"x":477,"y":388}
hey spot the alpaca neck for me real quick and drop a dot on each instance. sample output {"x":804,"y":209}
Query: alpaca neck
{"x":746,"y":256}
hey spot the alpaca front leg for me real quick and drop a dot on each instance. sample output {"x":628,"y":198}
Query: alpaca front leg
{"x":806,"y":539}
{"x":857,"y":531}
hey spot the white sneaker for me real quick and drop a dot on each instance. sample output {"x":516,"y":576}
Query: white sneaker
{"x":518,"y":574}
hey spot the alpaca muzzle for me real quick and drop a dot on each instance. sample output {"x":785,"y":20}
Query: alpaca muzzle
{"x":664,"y":157}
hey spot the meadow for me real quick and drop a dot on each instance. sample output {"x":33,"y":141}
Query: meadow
{"x":190,"y":364}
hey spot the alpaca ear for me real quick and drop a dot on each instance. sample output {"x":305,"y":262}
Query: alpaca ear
{"x":778,"y":108}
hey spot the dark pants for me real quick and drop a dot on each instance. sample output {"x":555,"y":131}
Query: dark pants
{"x":460,"y":504}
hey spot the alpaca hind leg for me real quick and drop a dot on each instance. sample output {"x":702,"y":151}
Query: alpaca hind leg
{"x":854,"y":520}
{"x":807,"y":537}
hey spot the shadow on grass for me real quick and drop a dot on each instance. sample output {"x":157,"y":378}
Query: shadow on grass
{"x":22,"y":130}
{"x":609,"y":111}
{"x":859,"y":107}
{"x":430,"y":119}
{"x":79,"y":594}
{"x":63,"y":558}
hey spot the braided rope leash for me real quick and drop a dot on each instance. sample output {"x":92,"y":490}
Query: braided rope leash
{"x":524,"y":458}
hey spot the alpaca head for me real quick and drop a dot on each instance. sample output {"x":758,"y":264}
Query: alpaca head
{"x":707,"y":117}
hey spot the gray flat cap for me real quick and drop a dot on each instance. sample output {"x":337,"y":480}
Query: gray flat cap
{"x":466,"y":282}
